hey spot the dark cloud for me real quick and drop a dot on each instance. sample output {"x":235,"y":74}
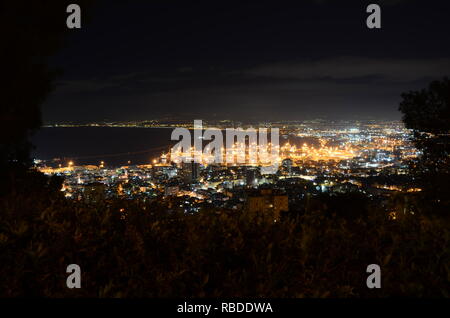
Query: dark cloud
{"x":356,"y":67}
{"x":248,"y":59}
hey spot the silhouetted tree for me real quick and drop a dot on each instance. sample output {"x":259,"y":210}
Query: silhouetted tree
{"x":31,"y":31}
{"x":427,"y":113}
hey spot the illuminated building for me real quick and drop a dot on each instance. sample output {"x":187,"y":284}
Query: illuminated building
{"x":267,"y":201}
{"x":190,"y":171}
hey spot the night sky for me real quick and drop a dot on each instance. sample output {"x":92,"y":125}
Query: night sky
{"x":263,"y":60}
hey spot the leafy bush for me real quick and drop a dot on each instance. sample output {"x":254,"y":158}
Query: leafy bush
{"x":138,"y":249}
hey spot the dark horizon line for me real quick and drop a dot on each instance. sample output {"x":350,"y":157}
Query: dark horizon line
{"x":183,"y":121}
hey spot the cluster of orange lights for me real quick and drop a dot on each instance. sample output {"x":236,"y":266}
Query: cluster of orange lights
{"x":321,"y":153}
{"x":267,"y":154}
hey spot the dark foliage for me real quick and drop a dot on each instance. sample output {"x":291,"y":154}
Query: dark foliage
{"x":137,"y":249}
{"x":31,"y":31}
{"x":427,"y":113}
